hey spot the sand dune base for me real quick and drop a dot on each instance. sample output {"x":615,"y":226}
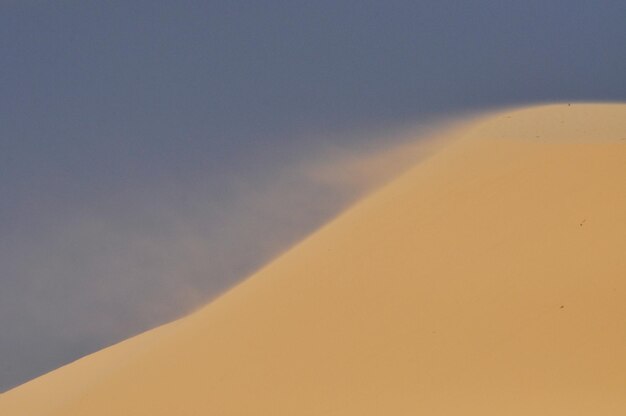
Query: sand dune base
{"x":488,"y":280}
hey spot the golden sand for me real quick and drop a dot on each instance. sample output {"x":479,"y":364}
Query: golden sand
{"x":490,"y":279}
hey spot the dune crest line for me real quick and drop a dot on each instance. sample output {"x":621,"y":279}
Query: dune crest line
{"x":486,"y":280}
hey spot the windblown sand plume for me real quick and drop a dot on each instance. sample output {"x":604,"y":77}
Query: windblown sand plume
{"x":490,"y":279}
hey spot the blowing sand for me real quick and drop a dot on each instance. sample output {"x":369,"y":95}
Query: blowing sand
{"x":490,"y":279}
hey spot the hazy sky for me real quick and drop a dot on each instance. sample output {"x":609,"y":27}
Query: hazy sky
{"x":144,"y":144}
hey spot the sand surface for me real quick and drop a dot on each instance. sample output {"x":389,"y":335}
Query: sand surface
{"x":490,"y":279}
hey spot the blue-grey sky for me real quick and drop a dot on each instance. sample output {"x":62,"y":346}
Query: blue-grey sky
{"x":144,"y":144}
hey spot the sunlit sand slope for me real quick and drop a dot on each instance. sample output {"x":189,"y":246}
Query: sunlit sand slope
{"x":488,"y":280}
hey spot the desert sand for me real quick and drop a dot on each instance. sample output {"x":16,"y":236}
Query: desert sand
{"x":489,"y":279}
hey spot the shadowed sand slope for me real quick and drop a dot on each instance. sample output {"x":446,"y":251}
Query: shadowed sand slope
{"x":488,"y":280}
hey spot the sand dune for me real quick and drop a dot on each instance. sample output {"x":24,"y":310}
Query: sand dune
{"x":490,"y":279}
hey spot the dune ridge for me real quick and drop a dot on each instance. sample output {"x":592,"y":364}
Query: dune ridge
{"x":489,"y":279}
